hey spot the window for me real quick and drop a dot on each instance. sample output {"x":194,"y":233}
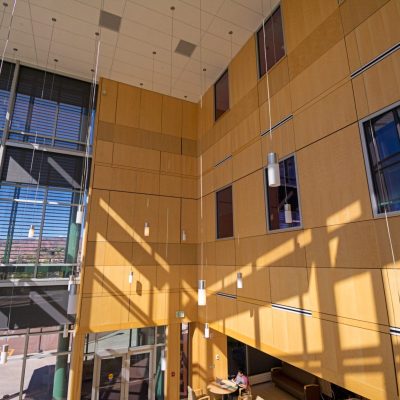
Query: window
{"x":221,"y":95}
{"x":224,"y":213}
{"x":50,"y":109}
{"x":275,"y":47}
{"x":5,"y":86}
{"x":382,"y":145}
{"x":284,"y":197}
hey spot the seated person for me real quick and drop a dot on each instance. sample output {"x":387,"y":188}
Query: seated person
{"x":242,"y":381}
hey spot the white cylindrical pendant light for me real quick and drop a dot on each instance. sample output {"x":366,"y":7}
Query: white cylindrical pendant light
{"x":31,"y":232}
{"x":274,"y":176}
{"x":206,"y":331}
{"x":4,"y":354}
{"x":79,"y":215}
{"x":239,"y":281}
{"x":146,"y":229}
{"x":288,"y":213}
{"x":65,"y":331}
{"x":72,"y":296}
{"x":201,"y":293}
{"x":183,"y":235}
{"x":163,"y":361}
{"x":130,"y":278}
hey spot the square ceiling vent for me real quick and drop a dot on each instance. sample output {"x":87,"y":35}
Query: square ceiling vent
{"x":185,"y":48}
{"x":110,"y":21}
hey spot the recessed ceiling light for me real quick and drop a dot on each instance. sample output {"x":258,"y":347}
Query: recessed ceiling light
{"x":141,"y":84}
{"x":54,"y":19}
{"x":56,"y":60}
{"x":5,"y":4}
{"x":204,"y":69}
{"x":15,"y":49}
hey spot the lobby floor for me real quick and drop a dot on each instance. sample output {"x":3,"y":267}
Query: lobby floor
{"x":268,"y":391}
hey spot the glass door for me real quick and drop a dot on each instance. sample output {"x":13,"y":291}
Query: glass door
{"x":110,"y":386}
{"x":140,"y":380}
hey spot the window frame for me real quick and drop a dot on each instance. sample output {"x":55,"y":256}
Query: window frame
{"x":226,"y":71}
{"x":368,"y":168}
{"x":257,"y":42}
{"x":216,"y":214}
{"x":291,"y":228}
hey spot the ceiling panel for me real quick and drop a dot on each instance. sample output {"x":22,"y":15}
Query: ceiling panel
{"x":145,"y":28}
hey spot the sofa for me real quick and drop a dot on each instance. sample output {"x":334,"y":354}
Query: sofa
{"x":295,"y":381}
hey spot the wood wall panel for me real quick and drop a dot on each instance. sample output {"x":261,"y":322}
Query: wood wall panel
{"x":344,"y":246}
{"x":256,"y":283}
{"x":128,"y":105}
{"x":189,"y":120}
{"x":172,"y":116}
{"x":282,"y":141}
{"x":302,"y":17}
{"x":357,"y":294}
{"x":324,"y":73}
{"x":331,"y":113}
{"x":293,"y":295}
{"x":249,"y":205}
{"x":332,"y":180}
{"x":107,"y":100}
{"x":243,"y":71}
{"x":247,"y":161}
{"x":150,"y":111}
{"x":97,"y":223}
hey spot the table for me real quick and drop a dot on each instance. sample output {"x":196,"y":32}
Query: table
{"x":223,"y":388}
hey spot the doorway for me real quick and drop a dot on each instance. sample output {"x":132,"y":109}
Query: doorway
{"x":124,"y":375}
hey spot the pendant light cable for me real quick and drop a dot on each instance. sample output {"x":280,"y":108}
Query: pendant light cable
{"x":8,"y":36}
{"x":92,"y":98}
{"x":152,"y":72}
{"x":266,"y":72}
{"x":172,"y":39}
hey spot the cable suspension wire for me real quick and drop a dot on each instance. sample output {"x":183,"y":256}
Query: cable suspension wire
{"x":266,"y":71}
{"x":172,"y":38}
{"x":8,"y":36}
{"x":152,"y":72}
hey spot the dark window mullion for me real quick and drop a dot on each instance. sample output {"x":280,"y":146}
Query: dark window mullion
{"x":41,"y":229}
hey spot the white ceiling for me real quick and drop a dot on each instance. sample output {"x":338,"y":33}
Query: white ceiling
{"x":146,"y":27}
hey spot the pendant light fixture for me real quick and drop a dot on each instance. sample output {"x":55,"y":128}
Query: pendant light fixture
{"x":146,"y":231}
{"x":79,"y":215}
{"x":72,"y":295}
{"x":274,"y":179}
{"x":4,"y":354}
{"x":287,"y":206}
{"x":184,"y":235}
{"x":201,"y":293}
{"x":239,"y":280}
{"x":163,"y":361}
{"x":31,"y":232}
{"x":274,"y":175}
{"x":206,"y":330}
{"x":130,"y":277}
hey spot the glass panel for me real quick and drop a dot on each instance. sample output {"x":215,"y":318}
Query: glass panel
{"x":224,"y":213}
{"x":41,"y":382}
{"x":139,"y":376}
{"x":113,"y":340}
{"x":110,"y":379}
{"x":274,"y":41}
{"x":160,"y":334}
{"x":383,"y":144}
{"x":87,"y":378}
{"x":286,"y":193}
{"x":221,"y":99}
{"x":142,"y":337}
{"x":160,"y":375}
{"x":10,"y":378}
{"x":184,"y":371}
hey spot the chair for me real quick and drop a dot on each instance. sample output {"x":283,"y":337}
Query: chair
{"x":245,"y":394}
{"x":196,"y":394}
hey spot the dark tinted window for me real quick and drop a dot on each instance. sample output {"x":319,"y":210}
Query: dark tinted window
{"x":275,"y":47}
{"x":286,"y":193}
{"x":224,"y":213}
{"x":382,"y":135}
{"x":221,"y":94}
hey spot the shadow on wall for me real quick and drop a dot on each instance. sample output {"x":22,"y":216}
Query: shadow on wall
{"x":332,"y":272}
